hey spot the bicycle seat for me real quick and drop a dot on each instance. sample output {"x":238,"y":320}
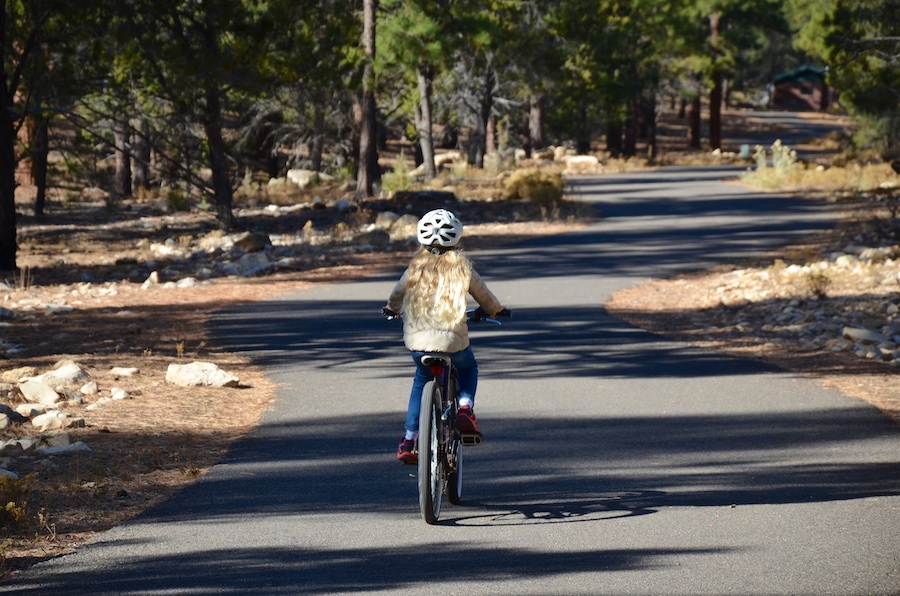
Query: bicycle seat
{"x":436,"y":358}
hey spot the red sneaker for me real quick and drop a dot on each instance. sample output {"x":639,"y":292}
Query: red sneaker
{"x":466,"y":421}
{"x":407,"y":452}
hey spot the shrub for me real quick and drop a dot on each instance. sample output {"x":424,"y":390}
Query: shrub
{"x":540,"y":187}
{"x":399,"y":179}
{"x":178,"y":200}
{"x":14,"y":494}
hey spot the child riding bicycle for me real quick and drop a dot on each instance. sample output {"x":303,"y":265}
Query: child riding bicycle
{"x":431,"y":296}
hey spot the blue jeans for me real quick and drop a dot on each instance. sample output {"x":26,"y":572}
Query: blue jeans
{"x":467,"y":374}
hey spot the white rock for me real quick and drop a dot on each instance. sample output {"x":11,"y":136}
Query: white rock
{"x":302,"y":178}
{"x":58,"y":440}
{"x":90,"y":388}
{"x":52,"y":420}
{"x":99,"y":404}
{"x":121,"y":372}
{"x":253,"y":263}
{"x":152,"y":280}
{"x":31,"y":410}
{"x":8,"y":474}
{"x":26,"y":444}
{"x":56,"y":420}
{"x":77,"y":447}
{"x":200,"y":374}
{"x":118,"y":393}
{"x":39,"y":392}
{"x":67,"y":375}
{"x":863,"y":336}
{"x":582,"y":163}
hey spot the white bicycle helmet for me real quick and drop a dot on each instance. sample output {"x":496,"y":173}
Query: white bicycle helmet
{"x":439,"y":228}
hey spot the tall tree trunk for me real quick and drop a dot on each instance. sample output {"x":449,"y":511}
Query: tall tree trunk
{"x":424,"y":119}
{"x":7,"y":159}
{"x":317,"y":146}
{"x":122,"y":179}
{"x":614,"y":138}
{"x":535,"y":124}
{"x":652,"y":149}
{"x":694,"y":123}
{"x":141,"y":155}
{"x":484,"y":116}
{"x":212,"y":125}
{"x":40,"y":141}
{"x":715,"y":92}
{"x":629,"y":145}
{"x":583,"y":136}
{"x":368,"y":150}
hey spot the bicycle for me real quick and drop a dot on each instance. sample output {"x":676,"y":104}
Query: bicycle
{"x":440,"y":469}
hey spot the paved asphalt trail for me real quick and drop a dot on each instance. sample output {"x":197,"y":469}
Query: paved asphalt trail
{"x":615,"y":462}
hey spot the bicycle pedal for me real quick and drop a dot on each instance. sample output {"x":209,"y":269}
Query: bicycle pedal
{"x":471,"y":439}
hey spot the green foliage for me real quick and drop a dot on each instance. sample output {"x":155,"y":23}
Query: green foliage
{"x":177,"y":199}
{"x":784,"y":163}
{"x":541,"y":187}
{"x":860,"y":42}
{"x":399,"y":179}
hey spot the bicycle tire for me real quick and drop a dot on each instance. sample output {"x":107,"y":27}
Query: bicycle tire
{"x":431,"y":481}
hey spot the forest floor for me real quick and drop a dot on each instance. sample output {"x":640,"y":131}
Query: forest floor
{"x":145,"y":448}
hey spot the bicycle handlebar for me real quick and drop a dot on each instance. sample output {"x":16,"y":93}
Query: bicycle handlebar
{"x":474,"y":315}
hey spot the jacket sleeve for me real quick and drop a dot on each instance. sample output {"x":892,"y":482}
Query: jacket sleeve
{"x":395,"y":301}
{"x":483,"y":296}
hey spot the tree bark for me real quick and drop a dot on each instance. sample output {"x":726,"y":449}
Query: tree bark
{"x":122,"y":179}
{"x":629,"y":145}
{"x":424,"y":119}
{"x":715,"y":91}
{"x":694,"y":123}
{"x":484,"y":116}
{"x":613,"y":138}
{"x":317,"y":146}
{"x":141,"y":155}
{"x":40,"y":141}
{"x":535,"y":124}
{"x":7,"y":159}
{"x":652,"y":149}
{"x":212,"y":125}
{"x":367,"y":172}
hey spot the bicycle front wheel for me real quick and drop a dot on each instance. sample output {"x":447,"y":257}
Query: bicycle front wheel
{"x":431,"y":485}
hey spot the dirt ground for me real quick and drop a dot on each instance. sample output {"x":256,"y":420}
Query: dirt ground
{"x":147,"y":447}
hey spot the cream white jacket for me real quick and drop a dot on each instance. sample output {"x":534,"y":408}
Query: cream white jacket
{"x":418,"y":335}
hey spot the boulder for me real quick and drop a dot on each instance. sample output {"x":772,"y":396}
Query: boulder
{"x":404,"y":227}
{"x":66,"y":376}
{"x":119,"y":372}
{"x":17,"y":374}
{"x":863,"y":336}
{"x":77,"y":447}
{"x":200,"y":374}
{"x":252,"y":241}
{"x":38,"y":392}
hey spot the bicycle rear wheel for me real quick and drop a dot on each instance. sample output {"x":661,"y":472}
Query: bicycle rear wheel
{"x":431,"y":469}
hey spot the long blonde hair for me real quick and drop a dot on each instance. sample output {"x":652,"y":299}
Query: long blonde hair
{"x":436,"y":288}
